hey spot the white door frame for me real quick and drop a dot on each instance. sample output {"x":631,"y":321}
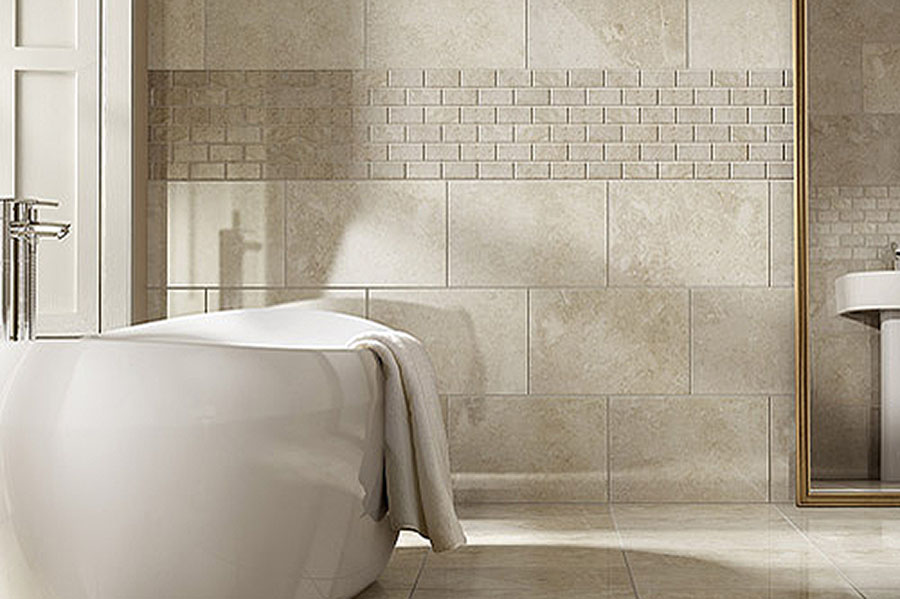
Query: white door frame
{"x":122,"y":161}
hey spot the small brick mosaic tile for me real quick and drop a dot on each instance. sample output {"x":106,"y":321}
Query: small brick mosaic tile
{"x":470,"y":124}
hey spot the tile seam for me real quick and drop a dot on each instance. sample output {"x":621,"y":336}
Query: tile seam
{"x":820,"y":551}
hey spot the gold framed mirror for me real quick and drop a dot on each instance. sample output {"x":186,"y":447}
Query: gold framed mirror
{"x":847,"y":215}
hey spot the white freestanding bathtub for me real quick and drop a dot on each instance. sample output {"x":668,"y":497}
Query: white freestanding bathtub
{"x":233,"y":455}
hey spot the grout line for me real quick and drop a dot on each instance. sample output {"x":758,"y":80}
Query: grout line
{"x":612,"y":515}
{"x":608,"y":453}
{"x":769,"y":232}
{"x":366,"y":35}
{"x":769,"y":451}
{"x":606,"y":192}
{"x":206,"y":35}
{"x":527,"y":27}
{"x":528,"y":341}
{"x":819,"y":550}
{"x":415,"y":585}
{"x":687,"y":34}
{"x":447,"y":233}
{"x":690,"y":341}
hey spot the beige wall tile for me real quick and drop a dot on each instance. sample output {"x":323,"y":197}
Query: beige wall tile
{"x":176,"y":34}
{"x":528,"y":233}
{"x":844,"y":365}
{"x":688,"y":449}
{"x":841,"y":442}
{"x":609,"y":341}
{"x":859,"y":149}
{"x":742,"y":340}
{"x":366,"y":233}
{"x":781,"y":208}
{"x":881,"y":77}
{"x":783,"y":457}
{"x":285,"y":34}
{"x":733,"y":34}
{"x":643,"y":34}
{"x":835,"y":77}
{"x":184,"y":302}
{"x":227,"y":234}
{"x":156,"y":233}
{"x":477,"y":338}
{"x":528,"y":448}
{"x":688,"y":233}
{"x":156,"y":304}
{"x":345,"y":301}
{"x":446,"y":33}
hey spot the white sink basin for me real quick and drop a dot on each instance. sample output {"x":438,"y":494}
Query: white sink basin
{"x":878,"y":292}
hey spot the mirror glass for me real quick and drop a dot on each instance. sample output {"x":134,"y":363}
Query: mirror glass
{"x":853,"y":70}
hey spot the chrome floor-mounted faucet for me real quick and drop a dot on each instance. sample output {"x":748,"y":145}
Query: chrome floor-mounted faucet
{"x":21,"y":232}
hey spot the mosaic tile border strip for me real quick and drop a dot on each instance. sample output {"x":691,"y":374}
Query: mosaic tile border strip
{"x":471,"y":124}
{"x":855,"y":223}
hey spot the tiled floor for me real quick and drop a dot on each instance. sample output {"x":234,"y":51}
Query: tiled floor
{"x":655,"y":552}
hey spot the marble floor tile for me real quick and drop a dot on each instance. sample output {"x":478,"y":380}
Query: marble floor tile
{"x":864,"y":544}
{"x":654,"y":551}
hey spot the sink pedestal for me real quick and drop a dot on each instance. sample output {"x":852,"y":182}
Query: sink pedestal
{"x":869,"y":293}
{"x":890,"y":395}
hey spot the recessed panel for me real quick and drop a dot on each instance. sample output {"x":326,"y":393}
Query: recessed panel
{"x":46,"y":167}
{"x":46,"y":23}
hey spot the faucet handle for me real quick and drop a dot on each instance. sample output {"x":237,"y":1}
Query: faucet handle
{"x":40,"y":229}
{"x":31,"y":202}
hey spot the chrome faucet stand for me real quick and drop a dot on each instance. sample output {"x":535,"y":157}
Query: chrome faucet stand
{"x":21,"y":231}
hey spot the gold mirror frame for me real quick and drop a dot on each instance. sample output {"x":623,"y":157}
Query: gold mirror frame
{"x":806,"y":495}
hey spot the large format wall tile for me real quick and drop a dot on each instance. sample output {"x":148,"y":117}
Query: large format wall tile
{"x":176,"y":35}
{"x":680,"y":233}
{"x":285,"y":34}
{"x":156,"y":233}
{"x":781,"y":206}
{"x":783,"y":457}
{"x":528,"y":448}
{"x":688,"y":449}
{"x":446,"y":33}
{"x":184,"y":302}
{"x":742,"y":340}
{"x":648,"y":34}
{"x":346,"y":301}
{"x":843,"y":443}
{"x":477,"y":338}
{"x":881,"y":77}
{"x":609,"y":341}
{"x":858,"y":149}
{"x":835,"y":77}
{"x":527,"y":233}
{"x":735,"y":34}
{"x":228,"y":234}
{"x":371,"y":233}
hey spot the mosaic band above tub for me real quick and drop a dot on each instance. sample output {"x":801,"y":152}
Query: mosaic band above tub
{"x":471,"y":124}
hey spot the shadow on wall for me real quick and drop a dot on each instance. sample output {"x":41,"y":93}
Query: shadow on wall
{"x":253,"y":244}
{"x":845,"y":394}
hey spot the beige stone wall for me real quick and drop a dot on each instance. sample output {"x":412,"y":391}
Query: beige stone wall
{"x":854,"y":216}
{"x":582,"y":207}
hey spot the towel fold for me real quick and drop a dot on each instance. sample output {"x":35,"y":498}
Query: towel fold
{"x":417,"y":461}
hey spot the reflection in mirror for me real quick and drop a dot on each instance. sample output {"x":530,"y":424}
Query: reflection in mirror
{"x":854,"y":217}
